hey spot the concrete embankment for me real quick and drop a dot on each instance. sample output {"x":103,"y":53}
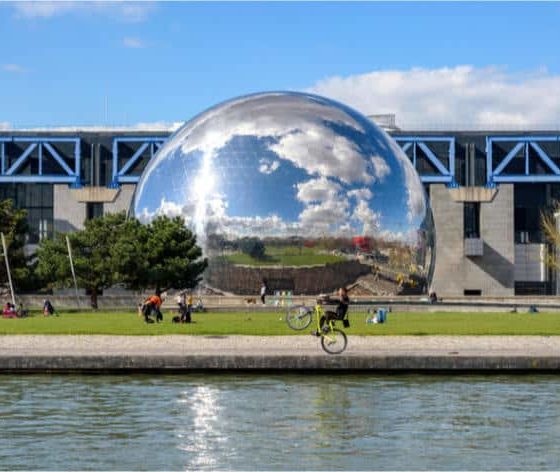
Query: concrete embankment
{"x":124,"y":354}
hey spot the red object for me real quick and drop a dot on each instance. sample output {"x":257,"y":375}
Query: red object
{"x":363,"y":243}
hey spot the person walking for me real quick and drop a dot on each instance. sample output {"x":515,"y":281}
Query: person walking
{"x":264,"y":290}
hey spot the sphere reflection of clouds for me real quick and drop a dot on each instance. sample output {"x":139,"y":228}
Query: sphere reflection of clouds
{"x":293,"y":170}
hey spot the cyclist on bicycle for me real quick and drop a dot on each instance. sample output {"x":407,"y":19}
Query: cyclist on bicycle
{"x":341,"y":309}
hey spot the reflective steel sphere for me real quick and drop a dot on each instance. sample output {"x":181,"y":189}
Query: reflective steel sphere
{"x":297,"y":191}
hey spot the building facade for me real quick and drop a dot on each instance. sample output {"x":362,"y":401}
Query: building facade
{"x":487,"y":192}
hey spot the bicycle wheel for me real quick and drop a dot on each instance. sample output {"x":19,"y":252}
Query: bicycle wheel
{"x":298,"y":317}
{"x":334,"y":342}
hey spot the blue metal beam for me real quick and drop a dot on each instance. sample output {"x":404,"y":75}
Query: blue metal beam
{"x":40,"y":143}
{"x":433,"y":159}
{"x":21,"y":159}
{"x":58,"y":159}
{"x":547,"y":160}
{"x":526,"y":178}
{"x":134,"y":158}
{"x":526,"y":142}
{"x":447,"y":175}
{"x":435,"y":179}
{"x":510,"y":155}
{"x":54,"y":179}
{"x":120,"y":176}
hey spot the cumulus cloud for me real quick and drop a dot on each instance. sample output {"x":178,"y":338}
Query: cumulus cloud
{"x":464,"y":96}
{"x":361,"y":194}
{"x":268,"y":166}
{"x":324,"y":214}
{"x":300,"y":136}
{"x":380,"y":167}
{"x":369,"y":219}
{"x":317,"y":190}
{"x":5,"y":125}
{"x":126,"y":11}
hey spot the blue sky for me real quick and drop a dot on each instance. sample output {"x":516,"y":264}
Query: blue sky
{"x":473,"y":64}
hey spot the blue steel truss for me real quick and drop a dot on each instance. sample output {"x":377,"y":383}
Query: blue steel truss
{"x":45,"y":151}
{"x":445,"y":174}
{"x":520,"y":143}
{"x":122,"y":175}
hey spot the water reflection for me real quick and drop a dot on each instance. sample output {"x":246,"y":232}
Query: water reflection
{"x":279,"y":423}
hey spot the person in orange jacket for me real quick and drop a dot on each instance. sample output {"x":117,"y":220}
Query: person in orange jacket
{"x":152,"y":305}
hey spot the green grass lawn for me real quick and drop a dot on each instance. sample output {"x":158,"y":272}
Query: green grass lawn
{"x":288,"y":256}
{"x":261,"y":323}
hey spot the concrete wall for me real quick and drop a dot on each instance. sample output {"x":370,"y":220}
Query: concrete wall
{"x":530,"y":263}
{"x":122,"y":202}
{"x":247,"y":280}
{"x":492,"y":273}
{"x":68,"y":213}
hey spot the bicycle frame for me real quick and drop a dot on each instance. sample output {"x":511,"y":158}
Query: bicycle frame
{"x":319,"y":312}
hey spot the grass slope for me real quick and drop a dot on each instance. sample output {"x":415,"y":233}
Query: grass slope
{"x":287,"y":256}
{"x":260,"y":323}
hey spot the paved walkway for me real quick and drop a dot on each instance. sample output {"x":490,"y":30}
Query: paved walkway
{"x":84,"y":345}
{"x":118,"y":353}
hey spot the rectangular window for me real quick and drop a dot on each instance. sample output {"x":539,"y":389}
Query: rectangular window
{"x":37,"y":200}
{"x":471,"y":220}
{"x":94,"y":210}
{"x":472,"y":293}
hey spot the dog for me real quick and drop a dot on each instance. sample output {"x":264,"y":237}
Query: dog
{"x":251,"y":301}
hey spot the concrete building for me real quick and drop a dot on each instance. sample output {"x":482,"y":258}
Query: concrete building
{"x":487,"y":192}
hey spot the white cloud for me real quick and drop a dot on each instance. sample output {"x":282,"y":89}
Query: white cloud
{"x":267,"y":166}
{"x":369,"y":219}
{"x":380,"y":167}
{"x":324,"y":214}
{"x":13,"y":68}
{"x":133,"y":43}
{"x":5,"y":125}
{"x":158,"y":126}
{"x":132,"y":12}
{"x":361,"y":194}
{"x":463,"y":97}
{"x":317,"y":190}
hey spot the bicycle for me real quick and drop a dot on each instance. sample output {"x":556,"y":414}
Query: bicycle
{"x":333,"y":340}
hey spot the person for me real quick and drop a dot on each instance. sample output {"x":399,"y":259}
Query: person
{"x":152,"y":305}
{"x":264,"y":289}
{"x":185,"y":307}
{"x":21,"y":311}
{"x":48,"y":308}
{"x":433,"y":297}
{"x":9,"y":311}
{"x":341,"y":310}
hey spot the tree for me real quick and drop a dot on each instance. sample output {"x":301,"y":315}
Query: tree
{"x":551,"y":231}
{"x":13,"y":223}
{"x":93,"y":255}
{"x":170,"y":257}
{"x":254,"y":247}
{"x":115,"y":249}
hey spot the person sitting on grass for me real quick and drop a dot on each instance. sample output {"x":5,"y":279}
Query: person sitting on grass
{"x":9,"y":311}
{"x":48,"y":308}
{"x":341,"y":310}
{"x":152,"y":306}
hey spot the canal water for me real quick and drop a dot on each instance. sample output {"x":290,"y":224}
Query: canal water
{"x":279,"y":422}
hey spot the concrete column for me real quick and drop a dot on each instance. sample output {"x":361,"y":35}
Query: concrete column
{"x":69,"y":214}
{"x":448,"y":219}
{"x":494,"y":272}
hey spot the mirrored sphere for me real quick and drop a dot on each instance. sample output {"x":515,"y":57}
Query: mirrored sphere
{"x":298,"y":191}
